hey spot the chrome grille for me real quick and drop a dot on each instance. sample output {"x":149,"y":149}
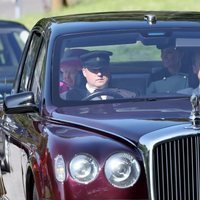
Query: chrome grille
{"x":176,"y":174}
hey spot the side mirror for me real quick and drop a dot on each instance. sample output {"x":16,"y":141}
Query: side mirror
{"x":20,"y":103}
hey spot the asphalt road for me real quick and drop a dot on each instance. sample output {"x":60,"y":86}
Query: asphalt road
{"x":12,"y":182}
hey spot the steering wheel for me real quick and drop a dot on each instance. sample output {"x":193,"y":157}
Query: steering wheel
{"x":111,"y":92}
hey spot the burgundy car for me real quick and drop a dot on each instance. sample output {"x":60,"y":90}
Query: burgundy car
{"x":140,"y":143}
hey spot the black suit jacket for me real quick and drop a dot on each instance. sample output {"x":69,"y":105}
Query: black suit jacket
{"x":77,"y":94}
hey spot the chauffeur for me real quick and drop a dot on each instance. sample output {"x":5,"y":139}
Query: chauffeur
{"x":95,"y":69}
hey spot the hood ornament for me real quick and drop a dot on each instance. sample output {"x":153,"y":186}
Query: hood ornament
{"x":195,"y":114}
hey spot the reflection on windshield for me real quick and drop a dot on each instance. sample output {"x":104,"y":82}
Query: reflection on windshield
{"x":128,"y":65}
{"x":24,"y":36}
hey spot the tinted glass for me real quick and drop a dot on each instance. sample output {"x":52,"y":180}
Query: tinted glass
{"x":12,"y":42}
{"x":29,"y":64}
{"x":142,"y":64}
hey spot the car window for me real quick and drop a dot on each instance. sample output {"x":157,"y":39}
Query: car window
{"x":12,"y":42}
{"x":38,"y":75}
{"x":141,"y":65}
{"x":21,"y":37}
{"x":30,"y":61}
{"x":11,"y":46}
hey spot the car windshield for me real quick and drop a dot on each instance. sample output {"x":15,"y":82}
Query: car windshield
{"x":12,"y":42}
{"x":126,"y":65}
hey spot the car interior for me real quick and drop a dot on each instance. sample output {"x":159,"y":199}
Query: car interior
{"x":136,"y":55}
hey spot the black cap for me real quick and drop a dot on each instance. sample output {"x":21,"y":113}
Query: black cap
{"x":96,"y":59}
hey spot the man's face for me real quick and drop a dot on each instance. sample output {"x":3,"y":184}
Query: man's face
{"x":97,"y":78}
{"x":171,"y":59}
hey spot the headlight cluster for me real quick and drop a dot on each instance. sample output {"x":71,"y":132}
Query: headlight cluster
{"x":84,"y":168}
{"x":122,"y":170}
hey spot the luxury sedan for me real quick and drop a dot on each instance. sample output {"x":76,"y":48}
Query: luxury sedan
{"x":106,"y":106}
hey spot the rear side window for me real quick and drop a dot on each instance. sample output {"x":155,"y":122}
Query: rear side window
{"x":30,"y":61}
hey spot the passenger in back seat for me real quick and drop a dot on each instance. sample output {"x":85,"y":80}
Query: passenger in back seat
{"x":196,"y":71}
{"x":69,"y":69}
{"x":172,"y":77}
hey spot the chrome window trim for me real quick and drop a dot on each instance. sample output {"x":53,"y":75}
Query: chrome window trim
{"x":150,"y":140}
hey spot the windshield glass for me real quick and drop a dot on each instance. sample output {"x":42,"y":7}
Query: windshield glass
{"x":126,"y":65}
{"x":12,"y":42}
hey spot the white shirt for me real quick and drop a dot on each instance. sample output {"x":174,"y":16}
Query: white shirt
{"x":91,"y":90}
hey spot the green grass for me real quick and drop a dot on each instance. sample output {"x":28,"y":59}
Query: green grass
{"x":86,"y":6}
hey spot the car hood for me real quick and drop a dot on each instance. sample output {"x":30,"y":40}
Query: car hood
{"x":130,"y":120}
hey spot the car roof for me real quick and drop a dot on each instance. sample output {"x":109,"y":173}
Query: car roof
{"x":11,"y":24}
{"x":103,"y":21}
{"x":128,"y":15}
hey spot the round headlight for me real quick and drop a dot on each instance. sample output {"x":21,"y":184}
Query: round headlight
{"x":83,"y":168}
{"x":122,"y":170}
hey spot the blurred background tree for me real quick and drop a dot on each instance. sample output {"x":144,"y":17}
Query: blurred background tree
{"x":57,"y":4}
